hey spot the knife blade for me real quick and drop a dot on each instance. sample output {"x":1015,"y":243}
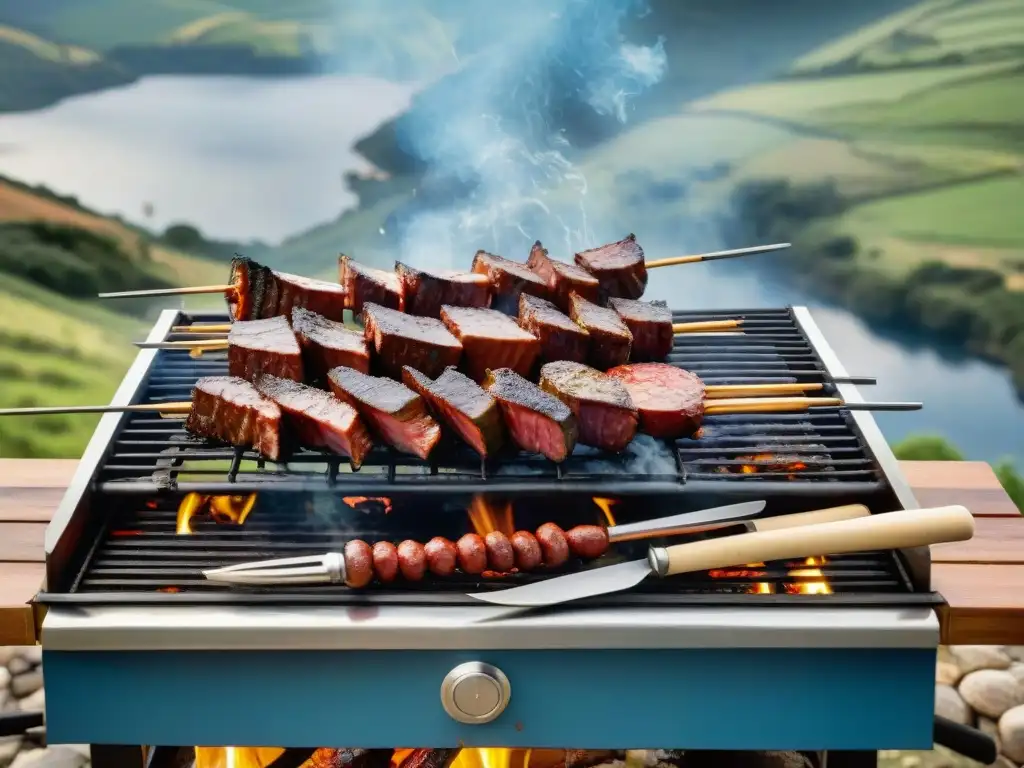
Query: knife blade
{"x":889,"y":530}
{"x":687,"y":522}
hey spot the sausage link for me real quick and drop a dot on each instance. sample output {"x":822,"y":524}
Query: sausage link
{"x":527,"y":550}
{"x":358,"y":564}
{"x":412,"y":560}
{"x":472,"y":554}
{"x":385,"y":561}
{"x":553,"y":544}
{"x":587,"y":541}
{"x":441,"y":556}
{"x":500,"y":556}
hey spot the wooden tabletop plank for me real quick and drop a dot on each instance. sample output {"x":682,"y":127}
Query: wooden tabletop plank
{"x":983,"y":603}
{"x":996,"y":540}
{"x":22,"y":542}
{"x":19,"y":583}
{"x":971,"y":483}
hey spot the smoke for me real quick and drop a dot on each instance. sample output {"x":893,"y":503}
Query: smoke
{"x":491,"y":137}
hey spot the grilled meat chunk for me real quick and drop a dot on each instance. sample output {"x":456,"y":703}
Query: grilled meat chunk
{"x":650,"y":322}
{"x":317,"y":419}
{"x":327,"y":344}
{"x":509,"y":280}
{"x":537,"y":422}
{"x":669,"y":399}
{"x":463,"y":405}
{"x":426,"y":292}
{"x":393,"y":411}
{"x":363,"y":284}
{"x":256,"y":347}
{"x":490,"y":340}
{"x":605,"y":413}
{"x":618,"y":266}
{"x":250,"y":280}
{"x":231,"y":410}
{"x":260,"y":292}
{"x":610,"y":339}
{"x":400,"y":339}
{"x":562,"y":278}
{"x":560,"y":338}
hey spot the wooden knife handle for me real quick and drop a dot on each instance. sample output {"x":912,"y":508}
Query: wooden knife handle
{"x":830,"y":515}
{"x":889,"y":530}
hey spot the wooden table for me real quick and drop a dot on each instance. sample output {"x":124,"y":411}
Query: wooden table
{"x":982,"y":580}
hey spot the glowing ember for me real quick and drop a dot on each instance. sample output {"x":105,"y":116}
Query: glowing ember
{"x":355,"y":501}
{"x":820,"y":587}
{"x":748,"y":571}
{"x":765,"y":462}
{"x":236,"y":757}
{"x":492,"y":757}
{"x":763,"y":588}
{"x":222,"y":510}
{"x":605,"y":505}
{"x":487,"y":516}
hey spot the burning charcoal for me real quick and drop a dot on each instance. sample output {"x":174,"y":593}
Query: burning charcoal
{"x":328,"y":344}
{"x":610,"y":338}
{"x":562,"y":278}
{"x":509,"y":280}
{"x":258,"y":347}
{"x":560,"y":338}
{"x":490,"y":340}
{"x":426,"y":292}
{"x":618,"y":266}
{"x":347,"y":758}
{"x":430,"y":758}
{"x":400,"y":339}
{"x":650,"y":322}
{"x":363,"y":284}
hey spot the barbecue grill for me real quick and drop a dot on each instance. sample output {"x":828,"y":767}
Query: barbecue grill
{"x":140,"y":649}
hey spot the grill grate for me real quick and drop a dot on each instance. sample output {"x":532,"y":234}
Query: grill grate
{"x":820,"y":452}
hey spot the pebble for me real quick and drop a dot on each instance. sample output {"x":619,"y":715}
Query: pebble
{"x":9,"y":747}
{"x":51,"y":757}
{"x":971,"y":658}
{"x":34,"y":702}
{"x":947,"y":673}
{"x":991,"y":692}
{"x":18,"y":666}
{"x":28,"y":683}
{"x":951,"y":706}
{"x":1011,"y":733}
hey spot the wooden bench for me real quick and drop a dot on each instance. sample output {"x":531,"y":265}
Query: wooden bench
{"x":981,"y":580}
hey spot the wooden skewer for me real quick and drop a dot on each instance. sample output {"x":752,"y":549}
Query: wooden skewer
{"x":796,"y":404}
{"x":172,"y":407}
{"x":714,"y":256}
{"x":705,"y":326}
{"x":168,"y":291}
{"x":200,"y":328}
{"x":729,"y":391}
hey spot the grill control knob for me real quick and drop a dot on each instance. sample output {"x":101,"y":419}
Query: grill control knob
{"x":475,"y":693}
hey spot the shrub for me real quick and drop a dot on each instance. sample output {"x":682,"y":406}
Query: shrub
{"x":926,"y":448}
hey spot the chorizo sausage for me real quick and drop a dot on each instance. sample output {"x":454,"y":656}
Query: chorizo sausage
{"x":358,"y":564}
{"x":500,"y":556}
{"x":385,"y":561}
{"x":553,"y":545}
{"x":587,"y":541}
{"x":441,"y":556}
{"x":412,"y":560}
{"x":472,"y":554}
{"x":526,"y":550}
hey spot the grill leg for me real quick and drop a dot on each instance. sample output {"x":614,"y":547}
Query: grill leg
{"x":850,"y":759}
{"x":117,"y":756}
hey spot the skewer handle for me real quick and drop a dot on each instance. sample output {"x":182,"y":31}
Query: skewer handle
{"x":795,"y":405}
{"x":168,"y":291}
{"x":722,"y":391}
{"x":715,"y":255}
{"x":174,"y":407}
{"x":199,"y":328}
{"x":704,"y":326}
{"x":889,"y":530}
{"x":830,"y":515}
{"x":202,"y":344}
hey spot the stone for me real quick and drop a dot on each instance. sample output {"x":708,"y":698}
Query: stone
{"x":18,"y":666}
{"x":33,"y":654}
{"x":9,"y":748}
{"x":989,"y":726}
{"x":951,"y":706}
{"x":36,"y":735}
{"x":947,"y":673}
{"x":910,"y":761}
{"x":51,"y":757}
{"x":991,"y":692}
{"x":1011,"y":733}
{"x":1002,"y":761}
{"x":24,"y":684}
{"x":1017,"y":670}
{"x":970,"y":658}
{"x":1015,"y":652}
{"x":34,"y":702}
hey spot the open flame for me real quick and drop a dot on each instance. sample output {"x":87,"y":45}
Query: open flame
{"x":355,"y":501}
{"x":813,"y":571}
{"x":605,"y":505}
{"x":223,"y":510}
{"x":487,"y":515}
{"x":236,"y":757}
{"x":492,"y":757}
{"x":819,"y":585}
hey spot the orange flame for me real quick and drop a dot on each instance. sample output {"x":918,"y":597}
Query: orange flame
{"x":221,"y":509}
{"x":809,"y":587}
{"x":605,"y":505}
{"x":236,"y":757}
{"x":748,"y":571}
{"x":355,"y":501}
{"x":487,"y":516}
{"x":492,"y":757}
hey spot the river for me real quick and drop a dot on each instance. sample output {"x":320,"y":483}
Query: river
{"x":259,"y":158}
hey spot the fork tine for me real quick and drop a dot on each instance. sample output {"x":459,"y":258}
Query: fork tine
{"x":309,"y":569}
{"x":263,"y":565}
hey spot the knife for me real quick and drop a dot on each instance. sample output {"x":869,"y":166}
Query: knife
{"x":889,"y":530}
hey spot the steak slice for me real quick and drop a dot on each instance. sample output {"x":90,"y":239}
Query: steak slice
{"x":426,"y":292}
{"x":490,"y":340}
{"x":320,"y":296}
{"x":463,"y":405}
{"x":560,"y":338}
{"x":650,"y":322}
{"x":260,"y":292}
{"x":562,"y":278}
{"x":669,"y":399}
{"x":509,"y":280}
{"x":606,"y":414}
{"x":610,"y":338}
{"x":618,"y":266}
{"x":400,"y":339}
{"x":392,"y":410}
{"x":256,"y":347}
{"x":327,"y":344}
{"x":537,"y":422}
{"x":363,"y":284}
{"x":250,"y":280}
{"x":318,"y":420}
{"x":231,"y":410}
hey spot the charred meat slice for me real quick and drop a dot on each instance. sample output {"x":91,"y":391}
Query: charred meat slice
{"x":618,"y":266}
{"x":296,"y":291}
{"x":317,"y":419}
{"x":231,"y":410}
{"x":650,"y":322}
{"x":537,"y":422}
{"x":426,"y":292}
{"x":363,"y":284}
{"x":669,"y":399}
{"x":327,"y":344}
{"x":463,"y":405}
{"x":562,"y":278}
{"x":560,"y":338}
{"x":610,"y":339}
{"x":400,"y":339}
{"x":392,"y":410}
{"x":509,"y":280}
{"x":250,"y":281}
{"x":490,"y":340}
{"x":607,"y":417}
{"x":259,"y":292}
{"x":256,"y":347}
